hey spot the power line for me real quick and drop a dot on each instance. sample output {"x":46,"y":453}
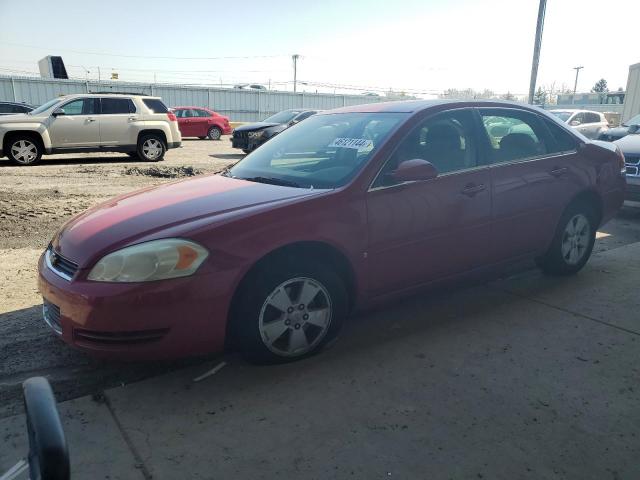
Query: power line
{"x":104,"y":54}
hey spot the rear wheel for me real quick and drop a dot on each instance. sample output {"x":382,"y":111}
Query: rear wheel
{"x":24,"y":150}
{"x":288,"y":311}
{"x":573,"y":241}
{"x":214,"y":133}
{"x":151,"y":148}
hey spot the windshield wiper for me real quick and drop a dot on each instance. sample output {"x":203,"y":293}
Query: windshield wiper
{"x":273,"y":181}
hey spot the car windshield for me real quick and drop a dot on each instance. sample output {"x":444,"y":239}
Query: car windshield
{"x":564,"y":116}
{"x":45,"y":106}
{"x":282,"y":117}
{"x":325,"y":151}
{"x":632,"y":121}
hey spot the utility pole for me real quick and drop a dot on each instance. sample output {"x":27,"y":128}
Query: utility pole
{"x":99,"y":74}
{"x":575,"y":85}
{"x":295,"y":72}
{"x":536,"y":49}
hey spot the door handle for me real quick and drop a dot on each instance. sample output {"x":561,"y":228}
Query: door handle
{"x":471,"y":189}
{"x":89,"y":120}
{"x":131,"y":119}
{"x":558,"y":171}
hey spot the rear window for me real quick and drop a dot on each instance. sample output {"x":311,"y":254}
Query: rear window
{"x":155,"y":105}
{"x":117,"y":105}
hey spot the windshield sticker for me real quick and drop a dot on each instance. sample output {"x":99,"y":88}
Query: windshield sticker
{"x":360,"y":144}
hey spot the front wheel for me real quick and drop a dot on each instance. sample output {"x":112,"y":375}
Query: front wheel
{"x":151,"y":148}
{"x":214,"y":133}
{"x":573,"y":241}
{"x":288,"y":311}
{"x":24,"y":151}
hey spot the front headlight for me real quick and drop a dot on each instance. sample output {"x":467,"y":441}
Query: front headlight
{"x":145,"y":262}
{"x":256,"y":135}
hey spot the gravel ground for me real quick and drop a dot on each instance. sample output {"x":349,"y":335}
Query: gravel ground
{"x":35,"y":201}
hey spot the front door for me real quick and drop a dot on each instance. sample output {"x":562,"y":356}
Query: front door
{"x":118,"y":122}
{"x":423,"y":231}
{"x":533,"y":178}
{"x":77,"y":125}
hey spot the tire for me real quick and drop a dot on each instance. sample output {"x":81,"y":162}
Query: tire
{"x":151,"y":148}
{"x":299,"y":326}
{"x":569,"y":252}
{"x":214,"y":133}
{"x":24,"y":150}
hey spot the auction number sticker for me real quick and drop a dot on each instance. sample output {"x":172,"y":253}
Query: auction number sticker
{"x":360,"y":144}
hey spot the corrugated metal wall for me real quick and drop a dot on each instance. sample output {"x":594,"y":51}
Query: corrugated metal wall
{"x":239,"y":105}
{"x":632,"y":98}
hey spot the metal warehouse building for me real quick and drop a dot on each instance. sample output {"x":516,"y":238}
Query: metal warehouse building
{"x":239,"y":105}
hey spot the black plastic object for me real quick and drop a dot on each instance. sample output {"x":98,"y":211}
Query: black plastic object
{"x":48,"y":453}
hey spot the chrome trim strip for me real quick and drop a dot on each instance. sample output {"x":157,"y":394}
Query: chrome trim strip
{"x":50,"y":266}
{"x":55,"y":328}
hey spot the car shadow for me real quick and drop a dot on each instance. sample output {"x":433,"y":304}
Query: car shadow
{"x":228,"y":156}
{"x":79,"y":161}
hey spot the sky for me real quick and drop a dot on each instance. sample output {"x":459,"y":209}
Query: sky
{"x":424,"y":46}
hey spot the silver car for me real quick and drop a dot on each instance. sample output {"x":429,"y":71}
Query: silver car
{"x":590,"y":124}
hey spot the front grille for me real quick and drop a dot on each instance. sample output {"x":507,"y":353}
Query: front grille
{"x":141,"y":336}
{"x":51,"y":315}
{"x":237,"y":134}
{"x":632,"y":165}
{"x":60,"y":265}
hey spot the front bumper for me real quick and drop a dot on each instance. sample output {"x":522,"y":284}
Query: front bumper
{"x":137,"y":321}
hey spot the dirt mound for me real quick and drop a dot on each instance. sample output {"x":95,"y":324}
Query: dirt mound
{"x":163,"y":172}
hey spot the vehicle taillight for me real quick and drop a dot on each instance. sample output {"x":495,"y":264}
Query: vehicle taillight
{"x":172,"y":117}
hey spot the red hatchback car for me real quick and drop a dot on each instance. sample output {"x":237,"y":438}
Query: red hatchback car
{"x":347,"y":209}
{"x":202,"y":123}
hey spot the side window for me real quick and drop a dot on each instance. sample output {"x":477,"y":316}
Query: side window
{"x":564,"y":141}
{"x":178,"y":113}
{"x":591,"y":117}
{"x":446,"y":140}
{"x":513,"y":135}
{"x":578,"y":117}
{"x":83,"y":106}
{"x":189,"y":113}
{"x":112,"y":106}
{"x":203,"y":113}
{"x":6,"y":108}
{"x":155,"y":105}
{"x":20,"y":109}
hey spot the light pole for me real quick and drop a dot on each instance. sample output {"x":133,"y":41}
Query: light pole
{"x":536,"y":49}
{"x":575,"y":85}
{"x":295,"y":71}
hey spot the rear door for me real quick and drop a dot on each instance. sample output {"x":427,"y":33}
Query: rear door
{"x":533,"y":178}
{"x":188,"y":123}
{"x":78,"y":127}
{"x":424,"y":231}
{"x":200,"y":122}
{"x":118,"y":122}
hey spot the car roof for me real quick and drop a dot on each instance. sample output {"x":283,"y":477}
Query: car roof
{"x":572,"y":110}
{"x":190,"y":106}
{"x":109,"y":95}
{"x":412,"y":106}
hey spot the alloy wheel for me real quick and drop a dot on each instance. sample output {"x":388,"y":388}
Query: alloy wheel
{"x":24,"y":151}
{"x":575,"y":239}
{"x":295,"y":317}
{"x":152,"y":148}
{"x":214,"y":134}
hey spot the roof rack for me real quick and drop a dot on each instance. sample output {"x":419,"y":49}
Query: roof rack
{"x":120,"y":93}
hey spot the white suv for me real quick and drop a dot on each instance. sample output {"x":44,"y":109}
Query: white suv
{"x":590,"y":124}
{"x":139,"y":125}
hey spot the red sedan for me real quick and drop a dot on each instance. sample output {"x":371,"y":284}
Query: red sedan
{"x":202,"y":123}
{"x":345,"y":210}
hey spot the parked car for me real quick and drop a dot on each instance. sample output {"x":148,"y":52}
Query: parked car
{"x":590,"y":124}
{"x":630,"y":147}
{"x":249,"y":86}
{"x":251,"y":136}
{"x":617,"y":133}
{"x":139,"y":125}
{"x":202,"y":123}
{"x":350,"y":208}
{"x":9,"y":108}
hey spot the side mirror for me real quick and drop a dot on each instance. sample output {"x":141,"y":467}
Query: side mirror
{"x":58,"y":111}
{"x":633,"y":129}
{"x":48,"y":453}
{"x":414,"y":170}
{"x":574,"y":123}
{"x":293,"y":122}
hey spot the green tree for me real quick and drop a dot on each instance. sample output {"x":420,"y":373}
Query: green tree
{"x":540,"y":97}
{"x":600,"y":86}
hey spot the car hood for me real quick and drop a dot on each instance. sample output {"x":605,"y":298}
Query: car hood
{"x":617,"y":132}
{"x":630,"y":145}
{"x":256,"y":126}
{"x":173,"y":209}
{"x":19,"y":118}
